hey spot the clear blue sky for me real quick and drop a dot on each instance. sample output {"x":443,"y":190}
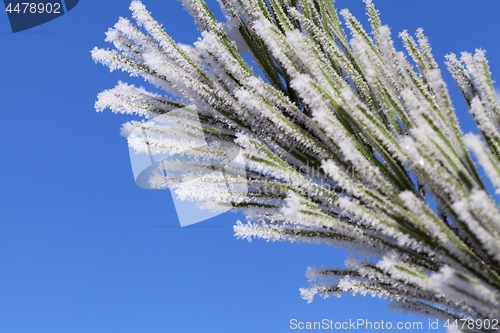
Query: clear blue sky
{"x":83,"y":249}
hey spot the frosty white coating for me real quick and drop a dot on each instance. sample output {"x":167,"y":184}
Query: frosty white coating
{"x":344,"y":143}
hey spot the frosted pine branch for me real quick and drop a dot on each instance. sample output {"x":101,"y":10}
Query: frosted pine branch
{"x":340,"y":142}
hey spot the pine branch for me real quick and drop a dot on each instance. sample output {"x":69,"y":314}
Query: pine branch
{"x":340,"y":143}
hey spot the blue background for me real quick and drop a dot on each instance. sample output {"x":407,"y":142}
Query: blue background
{"x":83,"y":249}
